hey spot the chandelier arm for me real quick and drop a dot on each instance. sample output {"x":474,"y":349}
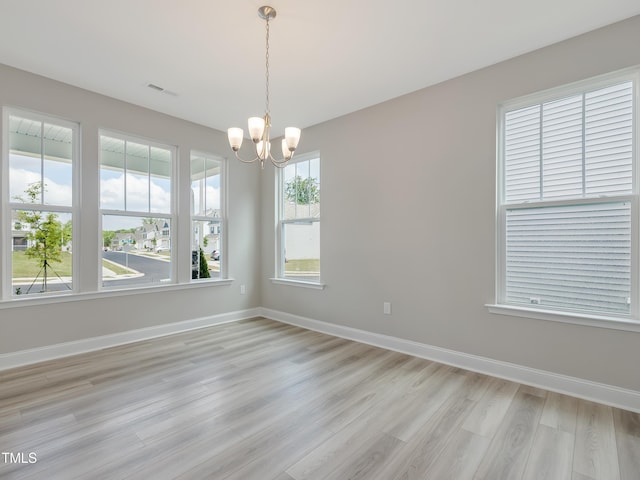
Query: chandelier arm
{"x":279,"y":164}
{"x":243,"y":160}
{"x":282,"y":162}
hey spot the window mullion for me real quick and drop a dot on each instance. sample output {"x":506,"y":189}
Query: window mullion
{"x":584,"y":146}
{"x":42,"y":163}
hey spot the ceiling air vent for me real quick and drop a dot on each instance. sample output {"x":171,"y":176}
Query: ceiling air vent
{"x":158,"y":88}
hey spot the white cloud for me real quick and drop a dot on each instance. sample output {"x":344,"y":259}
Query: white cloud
{"x":212,"y":197}
{"x":112,"y":194}
{"x":54,"y":193}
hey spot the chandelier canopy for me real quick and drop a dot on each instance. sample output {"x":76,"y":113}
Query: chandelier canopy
{"x":259,"y":127}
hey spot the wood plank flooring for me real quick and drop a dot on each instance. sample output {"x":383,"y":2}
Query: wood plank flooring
{"x":266,"y":401}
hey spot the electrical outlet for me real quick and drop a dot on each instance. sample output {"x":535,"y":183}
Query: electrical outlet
{"x":243,"y":290}
{"x":387,"y":308}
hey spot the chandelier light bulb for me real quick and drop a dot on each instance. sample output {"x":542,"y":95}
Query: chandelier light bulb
{"x":292,"y":137}
{"x":235,"y":135}
{"x":256,"y":128}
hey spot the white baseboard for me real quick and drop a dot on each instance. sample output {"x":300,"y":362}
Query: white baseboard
{"x":576,"y":387}
{"x":51,"y":352}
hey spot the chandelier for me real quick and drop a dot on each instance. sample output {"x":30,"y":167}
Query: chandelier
{"x":259,"y":127}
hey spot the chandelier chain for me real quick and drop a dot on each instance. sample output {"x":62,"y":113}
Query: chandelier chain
{"x":267,"y":68}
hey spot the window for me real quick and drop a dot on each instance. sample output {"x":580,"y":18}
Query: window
{"x":299,"y":220}
{"x":568,"y":200}
{"x":207,"y":217}
{"x":136,"y":203}
{"x":40,"y":158}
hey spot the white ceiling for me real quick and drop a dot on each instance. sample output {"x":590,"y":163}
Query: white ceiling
{"x":328,"y":58}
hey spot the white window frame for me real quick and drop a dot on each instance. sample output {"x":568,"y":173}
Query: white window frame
{"x":223,"y":214}
{"x":172,"y":216}
{"x":629,"y":322}
{"x":6,"y":277}
{"x":281,"y":222}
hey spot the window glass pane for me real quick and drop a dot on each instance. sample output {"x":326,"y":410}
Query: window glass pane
{"x":213,"y":188}
{"x":302,"y":251}
{"x":206,"y":248}
{"x":301,"y":190}
{"x":609,"y":140}
{"x":134,"y":176}
{"x":575,"y":257}
{"x":205,"y":186}
{"x":314,"y":187}
{"x":57,"y":165}
{"x":136,"y":251}
{"x":302,"y":186}
{"x":25,"y":158}
{"x":522,"y":155}
{"x":41,"y":260}
{"x":112,"y":170}
{"x":197,"y":184}
{"x":137,"y":177}
{"x":289,"y":191}
{"x":160,"y":183}
{"x":562,"y":148}
{"x":206,"y":203}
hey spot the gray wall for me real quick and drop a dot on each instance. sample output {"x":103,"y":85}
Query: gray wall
{"x":409,"y":223}
{"x":25,"y":327}
{"x":413,"y":223}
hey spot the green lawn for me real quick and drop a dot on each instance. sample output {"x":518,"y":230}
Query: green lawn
{"x":116,"y":267}
{"x":302,"y":265}
{"x":25,"y":267}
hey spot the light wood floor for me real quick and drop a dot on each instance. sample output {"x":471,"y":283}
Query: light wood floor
{"x":262,"y":400}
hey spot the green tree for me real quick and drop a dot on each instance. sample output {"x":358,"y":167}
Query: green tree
{"x":67,"y":230}
{"x":107,"y":237}
{"x":302,"y":191}
{"x":45,"y":234}
{"x":204,"y":266}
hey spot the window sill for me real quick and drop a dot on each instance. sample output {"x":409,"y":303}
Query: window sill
{"x":298,"y":283}
{"x":599,"y":321}
{"x":73,"y":297}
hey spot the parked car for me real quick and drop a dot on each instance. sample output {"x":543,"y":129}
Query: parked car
{"x":215,"y":255}
{"x":195,"y":264}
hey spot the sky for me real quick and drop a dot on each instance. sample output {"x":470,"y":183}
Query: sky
{"x":144,"y":195}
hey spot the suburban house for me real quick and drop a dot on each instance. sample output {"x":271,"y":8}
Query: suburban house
{"x":443,"y":281}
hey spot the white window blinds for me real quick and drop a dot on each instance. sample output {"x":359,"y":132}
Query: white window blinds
{"x":567,"y":201}
{"x":579,"y":146}
{"x":571,"y":257}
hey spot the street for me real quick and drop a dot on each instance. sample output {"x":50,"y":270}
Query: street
{"x":154,"y":270}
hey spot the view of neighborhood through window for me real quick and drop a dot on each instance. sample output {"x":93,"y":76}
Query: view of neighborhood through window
{"x":206,"y":216}
{"x":300,"y":220}
{"x":137,"y":212}
{"x":41,"y":157}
